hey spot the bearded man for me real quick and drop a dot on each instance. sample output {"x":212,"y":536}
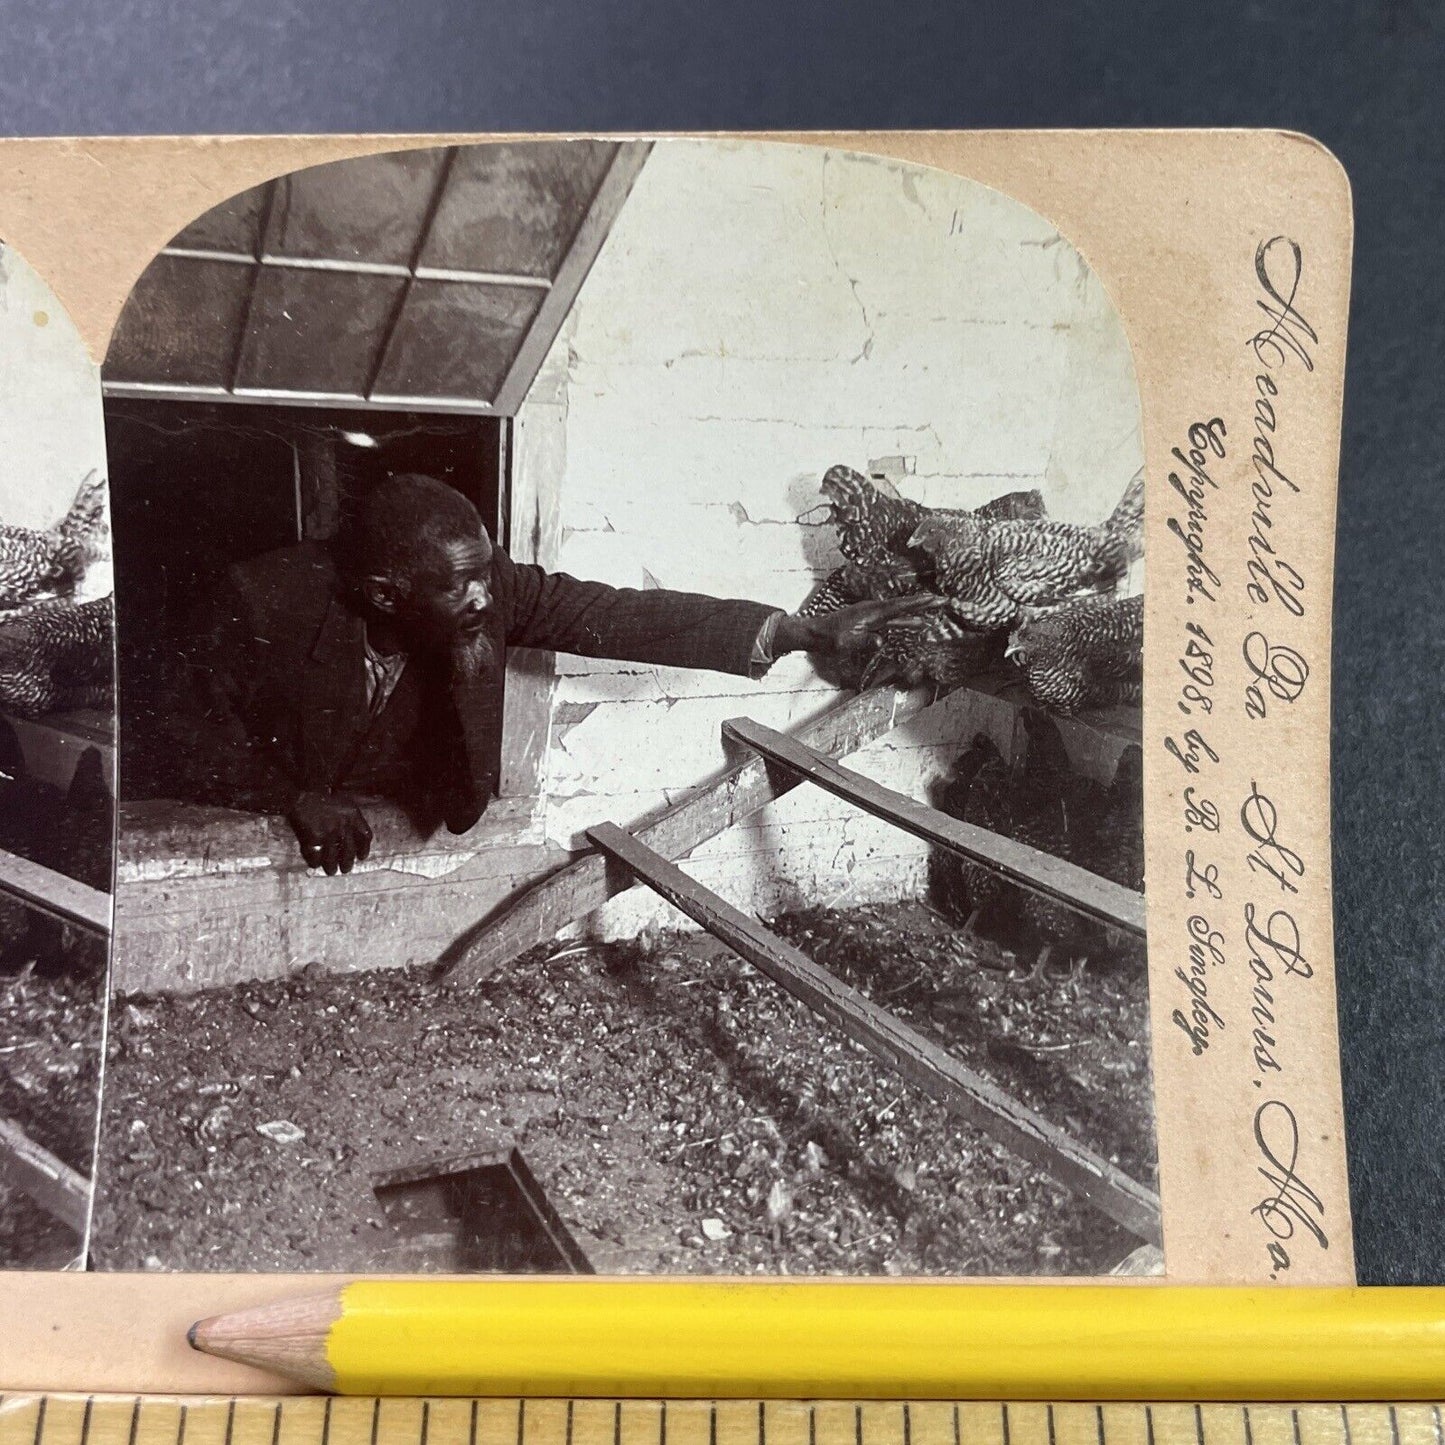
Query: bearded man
{"x":322,"y":675}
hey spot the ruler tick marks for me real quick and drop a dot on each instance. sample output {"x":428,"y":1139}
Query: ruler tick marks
{"x":857,"y":1425}
{"x":1198,"y":1426}
{"x":85,"y":1420}
{"x":326,"y":1422}
{"x":1049,"y":1417}
{"x":813,"y":1425}
{"x":907,"y":1424}
{"x":957,"y":1428}
{"x":522,"y":1419}
{"x":375,"y":1419}
{"x":230,"y":1423}
{"x":135,"y":1421}
{"x":762,"y":1424}
{"x":1294,"y":1421}
{"x":569,"y":1424}
{"x":1394,"y":1427}
{"x":40,"y":1421}
{"x":1149,"y":1424}
{"x":1099,"y":1423}
{"x":1345,"y":1425}
{"x":276,"y":1427}
{"x":425,"y":1419}
{"x":181,"y":1427}
{"x":1003,"y":1420}
{"x":471,"y":1424}
{"x":1439,"y":1433}
{"x":1248,"y":1427}
{"x":712,"y":1425}
{"x":662,"y":1423}
{"x":617,"y":1423}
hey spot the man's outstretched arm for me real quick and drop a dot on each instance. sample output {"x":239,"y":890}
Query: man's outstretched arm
{"x":672,"y":629}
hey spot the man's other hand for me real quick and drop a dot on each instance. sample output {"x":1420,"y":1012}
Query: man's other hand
{"x":332,"y":831}
{"x":851,"y":632}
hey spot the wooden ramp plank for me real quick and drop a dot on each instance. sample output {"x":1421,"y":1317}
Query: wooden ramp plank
{"x":1066,"y":882}
{"x":938,"y":1073}
{"x":574,"y":891}
{"x":54,"y":893}
{"x":50,"y":1182}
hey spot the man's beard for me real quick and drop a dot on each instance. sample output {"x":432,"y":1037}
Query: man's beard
{"x":474,"y":657}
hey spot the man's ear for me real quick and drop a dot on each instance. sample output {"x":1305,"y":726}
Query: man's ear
{"x":382,"y":593}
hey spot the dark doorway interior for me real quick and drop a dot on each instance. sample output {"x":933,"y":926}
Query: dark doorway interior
{"x":197,"y":486}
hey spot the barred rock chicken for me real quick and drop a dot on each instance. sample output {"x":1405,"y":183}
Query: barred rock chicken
{"x":874,"y":524}
{"x":933,"y":647}
{"x":1053,"y":809}
{"x":937,"y":647}
{"x":965,"y":892}
{"x":875,"y":581}
{"x":1113,"y":847}
{"x":994,"y":570}
{"x":1116,"y":850}
{"x":38,"y":564}
{"x":1089,"y":653}
{"x":55,"y":656}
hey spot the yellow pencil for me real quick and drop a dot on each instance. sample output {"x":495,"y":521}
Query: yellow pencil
{"x":806,"y":1339}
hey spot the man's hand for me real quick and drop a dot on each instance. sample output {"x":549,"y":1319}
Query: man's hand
{"x":851,"y":632}
{"x":331,"y":829}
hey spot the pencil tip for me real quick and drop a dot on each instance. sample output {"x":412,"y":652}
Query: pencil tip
{"x":191,"y":1336}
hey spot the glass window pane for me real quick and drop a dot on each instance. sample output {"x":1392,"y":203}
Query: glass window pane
{"x":179,"y":326}
{"x":367,"y":209}
{"x":514,"y":208}
{"x":457,"y":340}
{"x":316,"y":330}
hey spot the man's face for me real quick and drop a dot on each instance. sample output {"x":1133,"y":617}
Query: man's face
{"x":450,"y":593}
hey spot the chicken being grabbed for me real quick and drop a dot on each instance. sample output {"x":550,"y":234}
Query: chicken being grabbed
{"x":874,"y":581}
{"x":37,"y":564}
{"x":1087,"y":654}
{"x":935,"y":647}
{"x":56,"y":656}
{"x":994,"y":570}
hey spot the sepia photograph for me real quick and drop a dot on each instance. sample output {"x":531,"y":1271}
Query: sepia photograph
{"x":57,"y":757}
{"x":629,"y":703}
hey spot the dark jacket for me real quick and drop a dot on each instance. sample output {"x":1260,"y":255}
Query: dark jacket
{"x":272,"y":687}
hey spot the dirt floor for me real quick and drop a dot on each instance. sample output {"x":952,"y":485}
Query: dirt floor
{"x":49,"y":1076}
{"x":680,"y":1111}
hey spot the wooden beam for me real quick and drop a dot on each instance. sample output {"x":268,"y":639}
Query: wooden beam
{"x":934,"y":1070}
{"x":1040,"y":872}
{"x":55,"y":893}
{"x":50,"y":1182}
{"x":575,"y":890}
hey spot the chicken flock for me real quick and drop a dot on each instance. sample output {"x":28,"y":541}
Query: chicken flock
{"x":1012,"y":587}
{"x":1035,"y":603}
{"x":55,"y":651}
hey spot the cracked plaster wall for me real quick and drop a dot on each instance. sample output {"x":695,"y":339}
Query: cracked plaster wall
{"x":757,"y":314}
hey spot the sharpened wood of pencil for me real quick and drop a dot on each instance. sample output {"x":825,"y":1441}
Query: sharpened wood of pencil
{"x":824,"y":1339}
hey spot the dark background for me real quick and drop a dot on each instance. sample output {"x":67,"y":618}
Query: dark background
{"x":1365,"y":78}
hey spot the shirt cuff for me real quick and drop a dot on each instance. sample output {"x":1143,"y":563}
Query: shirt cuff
{"x":762,"y":657}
